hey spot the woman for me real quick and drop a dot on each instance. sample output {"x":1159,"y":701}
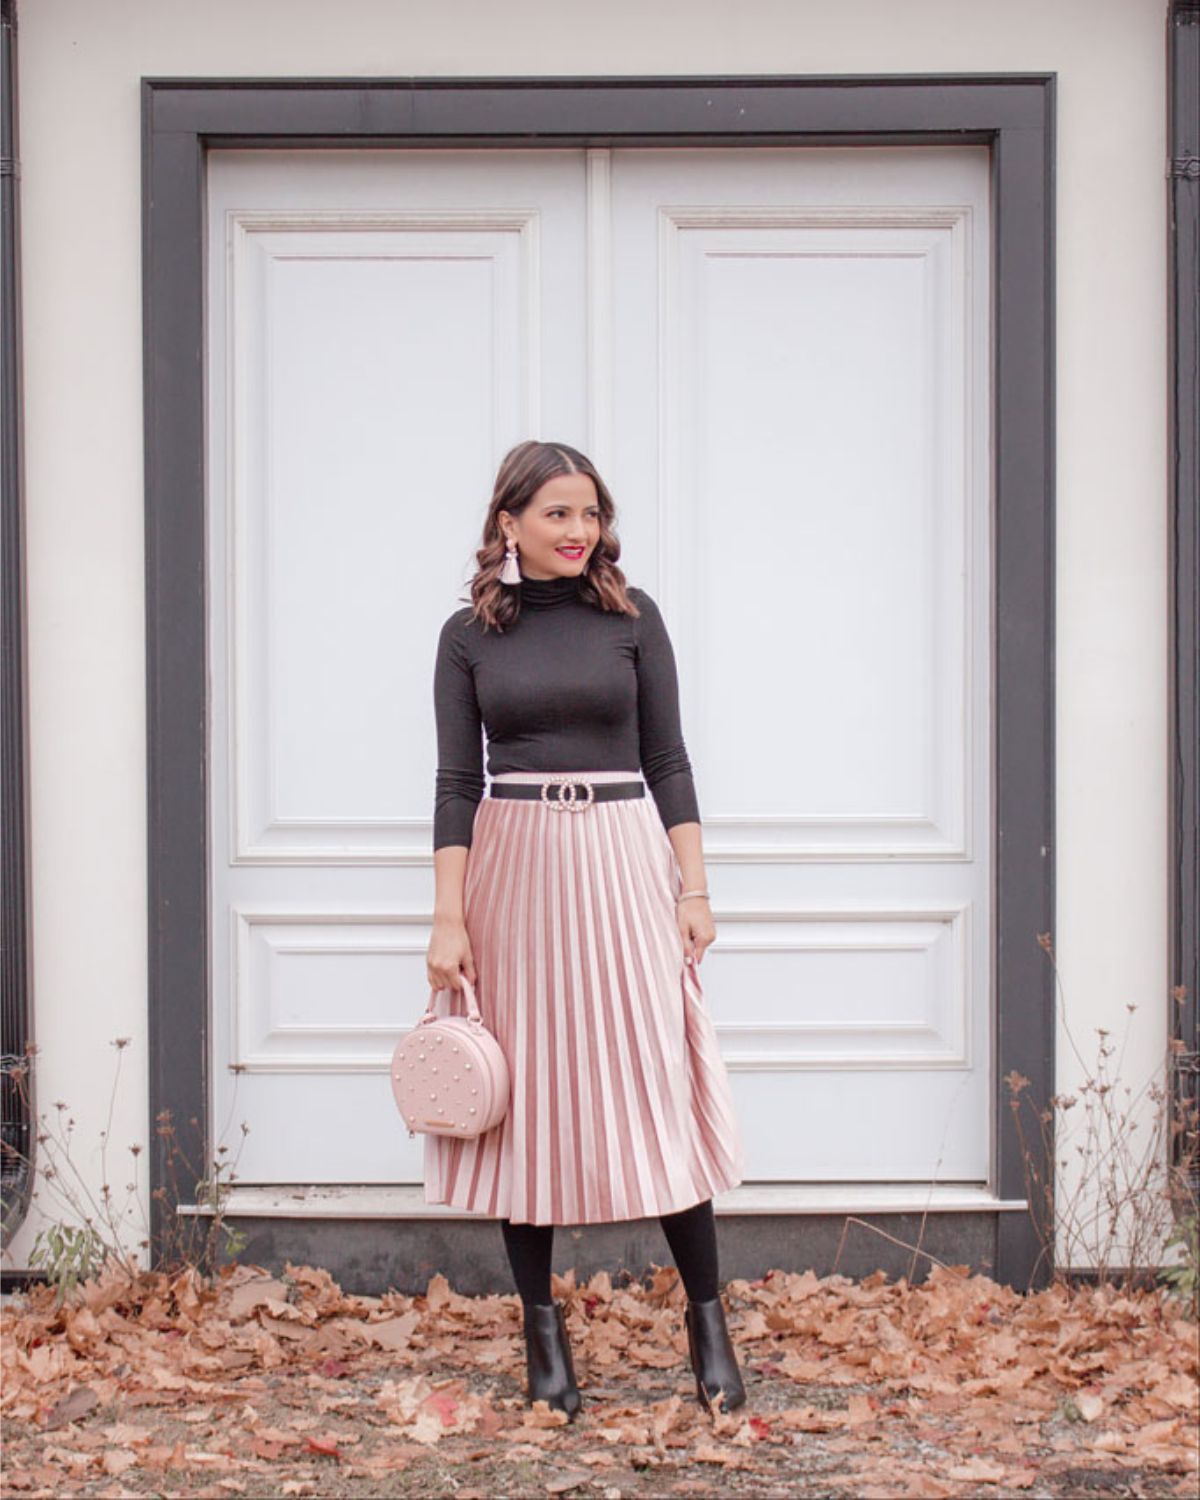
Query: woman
{"x":576,"y":907}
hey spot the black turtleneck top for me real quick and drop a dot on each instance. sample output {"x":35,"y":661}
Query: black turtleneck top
{"x":567,"y":687}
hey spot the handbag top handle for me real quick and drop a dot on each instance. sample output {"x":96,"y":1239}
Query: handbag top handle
{"x":473,"y":1014}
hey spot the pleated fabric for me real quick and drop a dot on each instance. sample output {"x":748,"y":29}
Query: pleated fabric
{"x":621,"y":1106}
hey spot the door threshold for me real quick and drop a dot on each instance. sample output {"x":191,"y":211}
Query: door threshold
{"x":407,"y":1200}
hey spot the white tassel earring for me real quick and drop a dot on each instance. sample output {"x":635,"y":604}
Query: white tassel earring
{"x":510,"y":572}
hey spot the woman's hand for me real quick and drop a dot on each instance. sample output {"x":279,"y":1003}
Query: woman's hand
{"x":693,"y":914}
{"x":696,"y":926}
{"x":449,"y":953}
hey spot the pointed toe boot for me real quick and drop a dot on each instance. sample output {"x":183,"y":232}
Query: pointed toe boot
{"x":718,"y":1379}
{"x":548,"y":1361}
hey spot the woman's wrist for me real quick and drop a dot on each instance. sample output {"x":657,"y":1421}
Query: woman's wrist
{"x":691,"y":895}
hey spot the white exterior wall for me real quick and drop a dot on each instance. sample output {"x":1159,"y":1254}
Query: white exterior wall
{"x":80,"y":66}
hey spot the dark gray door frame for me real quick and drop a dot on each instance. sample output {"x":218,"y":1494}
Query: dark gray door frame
{"x":183,"y":119}
{"x":1183,"y":324}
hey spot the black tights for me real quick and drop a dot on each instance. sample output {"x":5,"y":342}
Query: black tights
{"x":692,"y":1236}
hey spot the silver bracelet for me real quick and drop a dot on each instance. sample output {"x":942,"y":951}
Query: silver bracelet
{"x":685,"y":894}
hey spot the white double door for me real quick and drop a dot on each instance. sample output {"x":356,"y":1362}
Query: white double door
{"x":778,"y":358}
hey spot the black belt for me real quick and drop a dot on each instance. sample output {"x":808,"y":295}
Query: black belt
{"x":572,"y":793}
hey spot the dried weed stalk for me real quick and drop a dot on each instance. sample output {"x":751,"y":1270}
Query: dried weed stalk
{"x":1131,"y":1201}
{"x":88,"y":1234}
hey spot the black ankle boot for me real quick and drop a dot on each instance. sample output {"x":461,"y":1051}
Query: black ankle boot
{"x":713,"y":1360}
{"x":548,"y":1357}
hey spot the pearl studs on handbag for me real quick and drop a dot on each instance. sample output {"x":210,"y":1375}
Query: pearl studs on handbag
{"x":510,"y":572}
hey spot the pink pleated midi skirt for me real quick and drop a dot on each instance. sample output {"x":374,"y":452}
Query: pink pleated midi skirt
{"x":621,"y":1106}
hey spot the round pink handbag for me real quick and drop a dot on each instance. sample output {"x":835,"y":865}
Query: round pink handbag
{"x":449,"y":1075}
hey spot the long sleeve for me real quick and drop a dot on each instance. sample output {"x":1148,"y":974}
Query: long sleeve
{"x":664,"y":757}
{"x":459,"y":780}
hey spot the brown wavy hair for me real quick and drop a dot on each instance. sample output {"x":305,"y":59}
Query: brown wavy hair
{"x":523,"y":470}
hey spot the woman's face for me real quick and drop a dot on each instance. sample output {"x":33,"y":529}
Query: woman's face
{"x":564,"y":513}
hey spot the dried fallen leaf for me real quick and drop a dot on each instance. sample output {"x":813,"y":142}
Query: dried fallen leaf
{"x":80,"y":1401}
{"x":117,"y":1460}
{"x":1089,"y":1406}
{"x":542,"y":1414}
{"x":707,"y":1453}
{"x":251,"y":1294}
{"x":393,"y":1334}
{"x":978,"y":1469}
{"x":327,"y":1447}
{"x":570,"y":1480}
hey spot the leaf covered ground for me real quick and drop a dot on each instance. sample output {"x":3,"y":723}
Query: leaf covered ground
{"x":258,"y":1385}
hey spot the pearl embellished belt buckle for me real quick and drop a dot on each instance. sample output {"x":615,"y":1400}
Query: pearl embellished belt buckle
{"x":561,"y":803}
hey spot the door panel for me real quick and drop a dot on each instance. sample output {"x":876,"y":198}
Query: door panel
{"x":381,"y":328}
{"x":812,"y":462}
